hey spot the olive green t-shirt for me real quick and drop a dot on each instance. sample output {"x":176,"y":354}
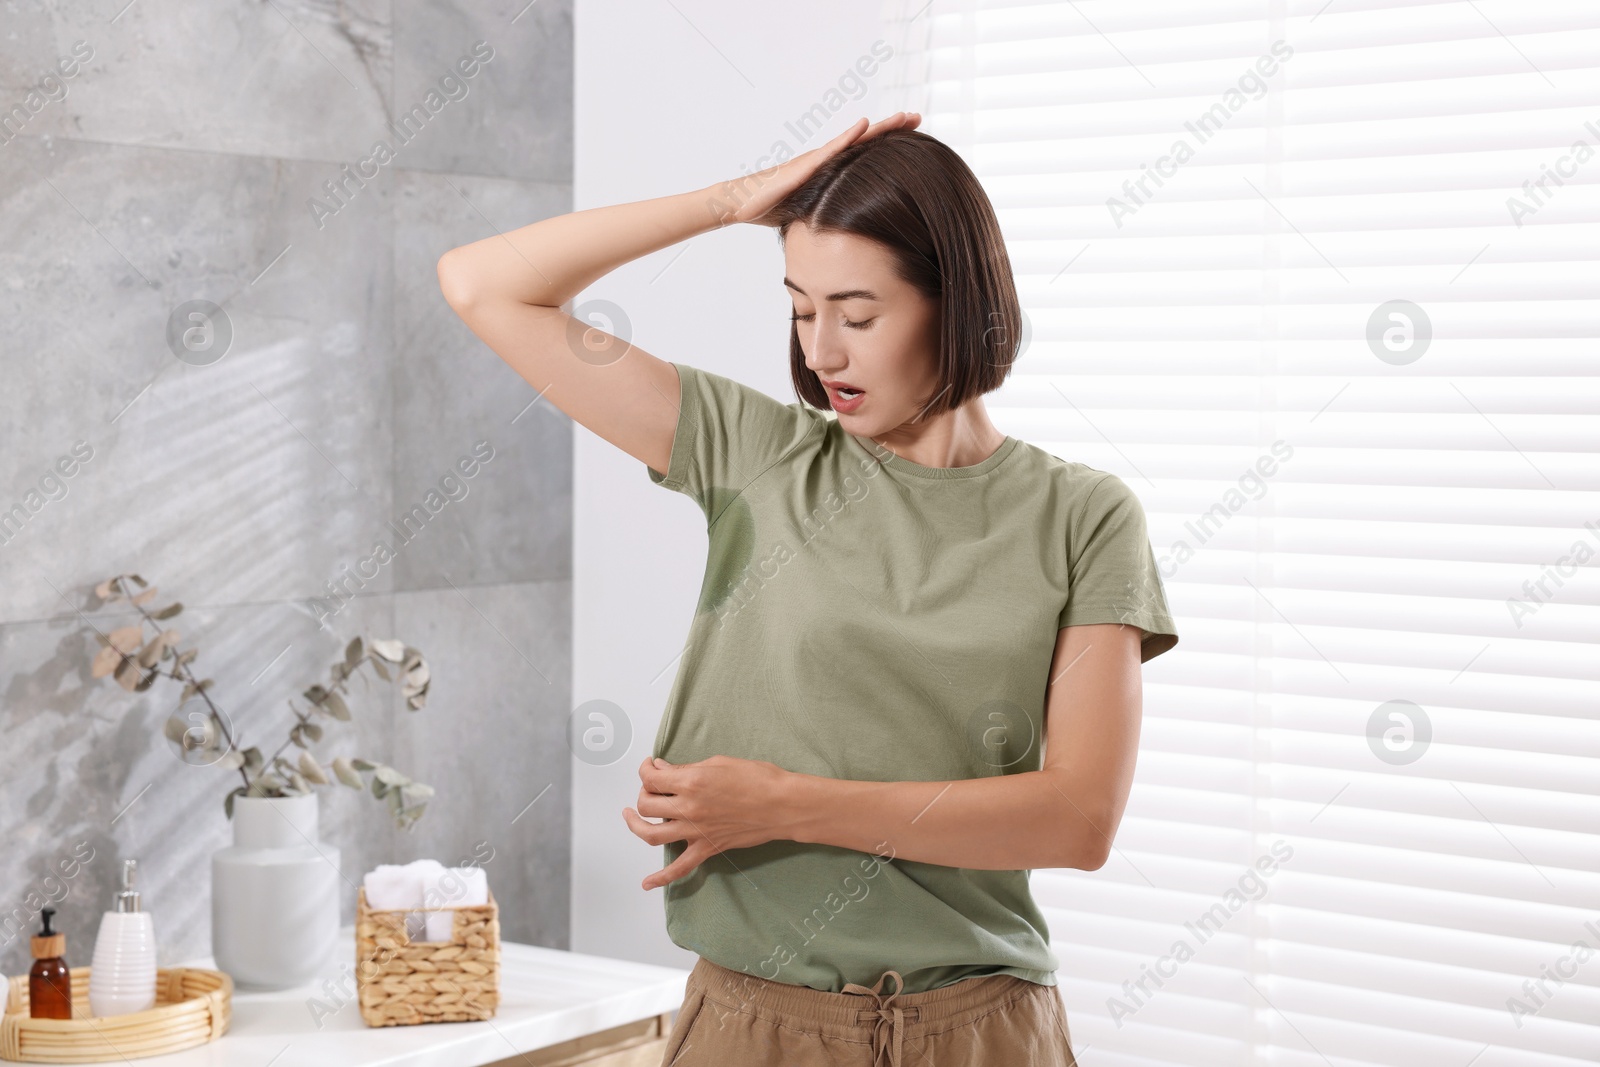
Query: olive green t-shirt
{"x":868,"y":618}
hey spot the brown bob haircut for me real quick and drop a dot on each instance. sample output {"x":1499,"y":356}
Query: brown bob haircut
{"x":915,"y":196}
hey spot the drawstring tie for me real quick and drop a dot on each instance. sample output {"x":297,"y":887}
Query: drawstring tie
{"x":891,"y":1018}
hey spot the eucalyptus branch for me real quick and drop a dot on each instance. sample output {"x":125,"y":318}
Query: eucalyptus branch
{"x":341,"y":673}
{"x":188,"y":678}
{"x":136,"y":663}
{"x":119,"y":584}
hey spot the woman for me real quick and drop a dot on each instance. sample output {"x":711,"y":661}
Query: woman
{"x":900,"y":605}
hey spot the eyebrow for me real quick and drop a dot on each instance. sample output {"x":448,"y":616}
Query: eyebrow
{"x":848,"y":294}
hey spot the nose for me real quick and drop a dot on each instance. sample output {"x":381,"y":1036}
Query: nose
{"x":826,"y":356}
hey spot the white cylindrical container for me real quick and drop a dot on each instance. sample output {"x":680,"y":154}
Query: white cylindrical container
{"x":122,"y":975}
{"x":274,"y":895}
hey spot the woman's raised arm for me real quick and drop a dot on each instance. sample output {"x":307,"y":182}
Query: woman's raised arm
{"x":510,"y":288}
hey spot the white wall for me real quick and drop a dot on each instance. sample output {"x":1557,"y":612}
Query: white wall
{"x":671,"y":97}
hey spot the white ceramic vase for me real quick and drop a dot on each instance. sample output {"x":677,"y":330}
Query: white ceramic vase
{"x":274,"y":895}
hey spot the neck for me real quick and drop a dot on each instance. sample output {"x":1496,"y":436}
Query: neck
{"x":961,"y":438}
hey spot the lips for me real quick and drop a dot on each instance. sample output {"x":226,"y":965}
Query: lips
{"x":842,"y":399}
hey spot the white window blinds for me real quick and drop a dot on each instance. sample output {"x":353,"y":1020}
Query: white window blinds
{"x":1321,"y":281}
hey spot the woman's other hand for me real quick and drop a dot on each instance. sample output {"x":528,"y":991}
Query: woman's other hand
{"x":751,"y":197}
{"x":718,"y":803}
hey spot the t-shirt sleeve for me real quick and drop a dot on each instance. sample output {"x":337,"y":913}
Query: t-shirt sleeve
{"x":1111,"y":569}
{"x":728,"y":435}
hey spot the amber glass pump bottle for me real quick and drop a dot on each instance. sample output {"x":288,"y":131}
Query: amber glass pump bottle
{"x":50,"y":982}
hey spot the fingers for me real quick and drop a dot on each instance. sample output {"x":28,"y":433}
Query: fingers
{"x":899,"y":120}
{"x":751,"y":198}
{"x":677,"y":868}
{"x":857,"y":131}
{"x":651,"y":775}
{"x":848,"y":134}
{"x":658,"y":805}
{"x":653,"y":833}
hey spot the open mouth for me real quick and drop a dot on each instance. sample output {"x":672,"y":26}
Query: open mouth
{"x":841,"y":390}
{"x":844,"y":400}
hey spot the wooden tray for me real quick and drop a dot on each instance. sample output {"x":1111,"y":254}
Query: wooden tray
{"x":192,"y":1006}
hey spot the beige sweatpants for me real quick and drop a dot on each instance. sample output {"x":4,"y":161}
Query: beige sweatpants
{"x":733,"y":1019}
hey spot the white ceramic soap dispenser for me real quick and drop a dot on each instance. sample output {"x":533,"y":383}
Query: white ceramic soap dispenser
{"x":122,"y":977}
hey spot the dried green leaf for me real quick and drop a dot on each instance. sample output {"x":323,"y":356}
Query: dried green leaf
{"x":227,"y":805}
{"x":313,"y":730}
{"x":231,"y":760}
{"x":141,"y":581}
{"x":145,"y":597}
{"x":312,"y":770}
{"x":353,"y":652}
{"x":127,"y":638}
{"x":105,"y":661}
{"x":150,"y":654}
{"x":253,"y":760}
{"x":266,"y":785}
{"x":346,"y":773}
{"x":383,"y":672}
{"x":106,"y":590}
{"x":416,"y":688}
{"x":364,"y":765}
{"x":417,"y":678}
{"x":334,"y":705}
{"x":175,"y":729}
{"x":128,"y":674}
{"x":390,"y":776}
{"x":391,"y":649}
{"x":169,"y":611}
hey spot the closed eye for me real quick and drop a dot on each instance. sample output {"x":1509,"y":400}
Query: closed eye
{"x":862,"y":325}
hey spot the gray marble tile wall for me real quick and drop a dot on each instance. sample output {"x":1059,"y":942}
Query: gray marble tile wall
{"x":157,"y":153}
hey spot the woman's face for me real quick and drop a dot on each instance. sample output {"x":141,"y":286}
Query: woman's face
{"x":859,"y":324}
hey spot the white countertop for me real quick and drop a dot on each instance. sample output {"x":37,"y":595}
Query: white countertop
{"x":547,"y":996}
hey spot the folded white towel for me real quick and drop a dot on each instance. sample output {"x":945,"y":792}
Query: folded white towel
{"x":393,"y":886}
{"x":389,"y":886}
{"x":417,"y":921}
{"x":455,"y":887}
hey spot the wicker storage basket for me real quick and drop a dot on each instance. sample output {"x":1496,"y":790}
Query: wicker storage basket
{"x":400,"y":982}
{"x":192,"y":1006}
